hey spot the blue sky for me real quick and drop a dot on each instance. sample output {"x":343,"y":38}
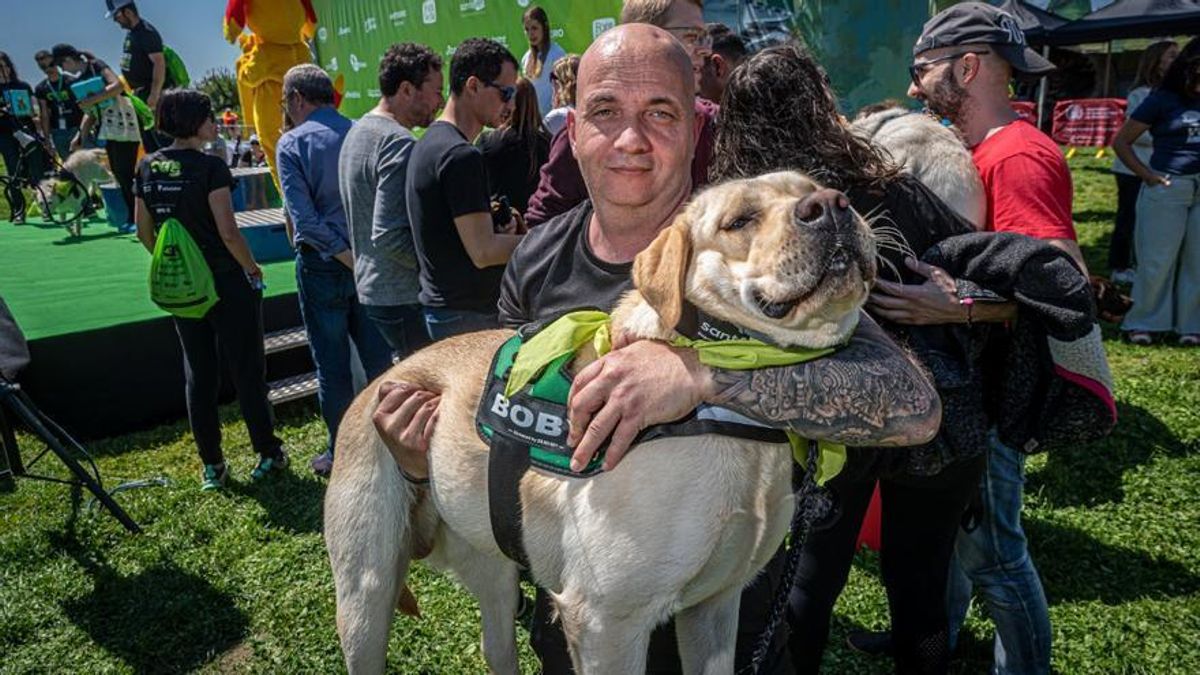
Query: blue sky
{"x":190,"y":27}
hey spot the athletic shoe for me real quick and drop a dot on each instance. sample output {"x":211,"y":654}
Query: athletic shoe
{"x":127,"y":228}
{"x":1124,"y":277}
{"x":322,"y":464}
{"x":1140,"y":338}
{"x":873,"y":643}
{"x":214,"y":476}
{"x":269,"y":466}
{"x":1189,"y":340}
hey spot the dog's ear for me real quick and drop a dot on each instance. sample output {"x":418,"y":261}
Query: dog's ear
{"x":660,"y":272}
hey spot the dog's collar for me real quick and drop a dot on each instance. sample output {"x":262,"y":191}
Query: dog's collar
{"x":698,"y":325}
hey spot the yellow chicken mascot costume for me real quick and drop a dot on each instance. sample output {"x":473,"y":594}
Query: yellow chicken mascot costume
{"x":275,"y":42}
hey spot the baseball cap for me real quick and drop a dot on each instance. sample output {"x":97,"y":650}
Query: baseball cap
{"x":253,"y":138}
{"x":970,"y":23}
{"x":115,"y":5}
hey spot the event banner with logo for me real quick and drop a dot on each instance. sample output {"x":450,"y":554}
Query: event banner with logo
{"x":1088,"y":122}
{"x":352,"y":35}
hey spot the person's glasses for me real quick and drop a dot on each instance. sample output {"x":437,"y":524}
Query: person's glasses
{"x":507,"y":91}
{"x":916,"y":70}
{"x":691,"y":36}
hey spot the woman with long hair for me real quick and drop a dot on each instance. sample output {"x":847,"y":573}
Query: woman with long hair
{"x":515,"y":153}
{"x":112,"y":110}
{"x":779,"y":113}
{"x":1151,"y":69}
{"x":181,"y":182}
{"x":562,"y":78}
{"x":1166,"y":287}
{"x":16,"y":117}
{"x":539,"y":60}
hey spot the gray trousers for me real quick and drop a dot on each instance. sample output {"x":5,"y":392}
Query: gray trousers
{"x":1166,"y":292}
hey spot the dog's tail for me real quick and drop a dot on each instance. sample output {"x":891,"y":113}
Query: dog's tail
{"x":371,"y":535}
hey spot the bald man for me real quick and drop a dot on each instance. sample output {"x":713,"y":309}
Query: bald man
{"x":633,"y":130}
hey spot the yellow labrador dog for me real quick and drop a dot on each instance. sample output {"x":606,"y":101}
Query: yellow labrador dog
{"x":678,"y":528}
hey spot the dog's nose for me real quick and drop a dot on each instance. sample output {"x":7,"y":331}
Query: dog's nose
{"x":822,"y":210}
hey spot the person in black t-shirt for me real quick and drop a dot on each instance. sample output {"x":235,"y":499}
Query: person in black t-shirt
{"x":461,"y":255}
{"x":60,"y":115}
{"x":17,"y":130}
{"x":634,"y":136}
{"x":182,"y":182}
{"x":143,"y":64}
{"x":119,"y":133}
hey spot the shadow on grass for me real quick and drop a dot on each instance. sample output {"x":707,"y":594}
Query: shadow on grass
{"x":1076,"y":567}
{"x":161,"y":619}
{"x":292,"y":502}
{"x":1092,"y":473}
{"x":85,"y":238}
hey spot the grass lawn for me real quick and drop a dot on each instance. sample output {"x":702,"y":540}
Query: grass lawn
{"x":239,"y":581}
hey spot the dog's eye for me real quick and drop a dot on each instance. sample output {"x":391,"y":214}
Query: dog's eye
{"x":738,"y":223}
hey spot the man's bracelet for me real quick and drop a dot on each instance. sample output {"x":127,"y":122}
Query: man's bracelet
{"x":969,"y":303}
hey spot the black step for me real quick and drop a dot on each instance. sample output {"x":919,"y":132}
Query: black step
{"x":283,"y":340}
{"x":292,"y":388}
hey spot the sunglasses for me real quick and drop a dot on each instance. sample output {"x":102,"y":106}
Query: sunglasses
{"x":691,"y":36}
{"x":507,"y":92}
{"x":916,"y":70}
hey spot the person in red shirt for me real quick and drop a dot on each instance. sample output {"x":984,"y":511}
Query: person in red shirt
{"x":962,"y":66}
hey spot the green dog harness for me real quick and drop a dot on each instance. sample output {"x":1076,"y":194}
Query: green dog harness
{"x":522,"y":414}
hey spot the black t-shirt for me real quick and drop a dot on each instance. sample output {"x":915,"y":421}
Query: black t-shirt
{"x":447,"y":179}
{"x":10,"y":120}
{"x":176,"y":183}
{"x":140,"y":42}
{"x":60,"y":101}
{"x":508,"y":165}
{"x":553,"y":271}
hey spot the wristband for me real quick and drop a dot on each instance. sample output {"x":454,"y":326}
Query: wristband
{"x":969,"y":303}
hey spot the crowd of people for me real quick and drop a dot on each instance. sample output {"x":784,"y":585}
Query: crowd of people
{"x":538,"y":180}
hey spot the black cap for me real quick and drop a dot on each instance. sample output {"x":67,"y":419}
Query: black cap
{"x":969,"y":23}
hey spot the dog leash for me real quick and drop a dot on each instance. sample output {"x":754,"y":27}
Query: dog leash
{"x":798,"y":533}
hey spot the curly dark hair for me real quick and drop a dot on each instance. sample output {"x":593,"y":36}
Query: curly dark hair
{"x":406,"y":62}
{"x":479,"y":57}
{"x":778,"y":112}
{"x":1184,"y":73}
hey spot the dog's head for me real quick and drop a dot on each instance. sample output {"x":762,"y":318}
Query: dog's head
{"x":775,"y":254}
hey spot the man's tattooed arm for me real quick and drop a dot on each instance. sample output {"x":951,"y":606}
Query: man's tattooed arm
{"x":869,"y":393}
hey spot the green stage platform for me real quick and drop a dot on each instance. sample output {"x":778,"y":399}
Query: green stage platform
{"x":56,"y":284}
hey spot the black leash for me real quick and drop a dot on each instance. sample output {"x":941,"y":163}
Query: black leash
{"x":798,"y":533}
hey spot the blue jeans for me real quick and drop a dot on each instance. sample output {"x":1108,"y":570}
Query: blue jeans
{"x":994,"y":557}
{"x":442,"y":323}
{"x":333,"y":317}
{"x":403,"y":326}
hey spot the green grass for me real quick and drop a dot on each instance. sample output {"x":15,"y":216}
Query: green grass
{"x":239,"y":582}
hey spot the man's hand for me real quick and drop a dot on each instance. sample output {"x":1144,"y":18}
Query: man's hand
{"x":933,"y":302}
{"x":1154,"y":180}
{"x":346,"y":258}
{"x":405,"y":419}
{"x":627,"y":390}
{"x":152,"y":101}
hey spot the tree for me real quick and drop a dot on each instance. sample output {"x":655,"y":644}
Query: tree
{"x":221,"y":86}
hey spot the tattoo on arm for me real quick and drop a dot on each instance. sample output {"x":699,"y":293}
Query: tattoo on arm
{"x":868,"y":393}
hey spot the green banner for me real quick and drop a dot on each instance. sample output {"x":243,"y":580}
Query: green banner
{"x":352,"y":35}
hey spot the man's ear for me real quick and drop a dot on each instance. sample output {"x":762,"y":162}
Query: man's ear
{"x":571,"y":121}
{"x":720,"y":65}
{"x":660,"y":272}
{"x":972,"y":64}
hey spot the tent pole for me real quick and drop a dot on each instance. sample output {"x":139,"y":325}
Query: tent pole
{"x":1041,"y":103}
{"x":1107,"y":68}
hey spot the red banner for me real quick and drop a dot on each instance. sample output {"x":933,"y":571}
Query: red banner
{"x":1026,"y":110}
{"x":1088,"y":122}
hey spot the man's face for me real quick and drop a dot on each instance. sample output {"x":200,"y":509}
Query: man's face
{"x":934,"y":83}
{"x":124,"y":18}
{"x":49,"y":69}
{"x":427,"y":100}
{"x":633,"y":132}
{"x":492,"y":107}
{"x":685,"y":21}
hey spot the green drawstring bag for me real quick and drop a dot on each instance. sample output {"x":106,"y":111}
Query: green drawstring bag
{"x":180,"y":281}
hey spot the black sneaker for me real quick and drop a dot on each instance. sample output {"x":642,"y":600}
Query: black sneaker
{"x":872,"y":643}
